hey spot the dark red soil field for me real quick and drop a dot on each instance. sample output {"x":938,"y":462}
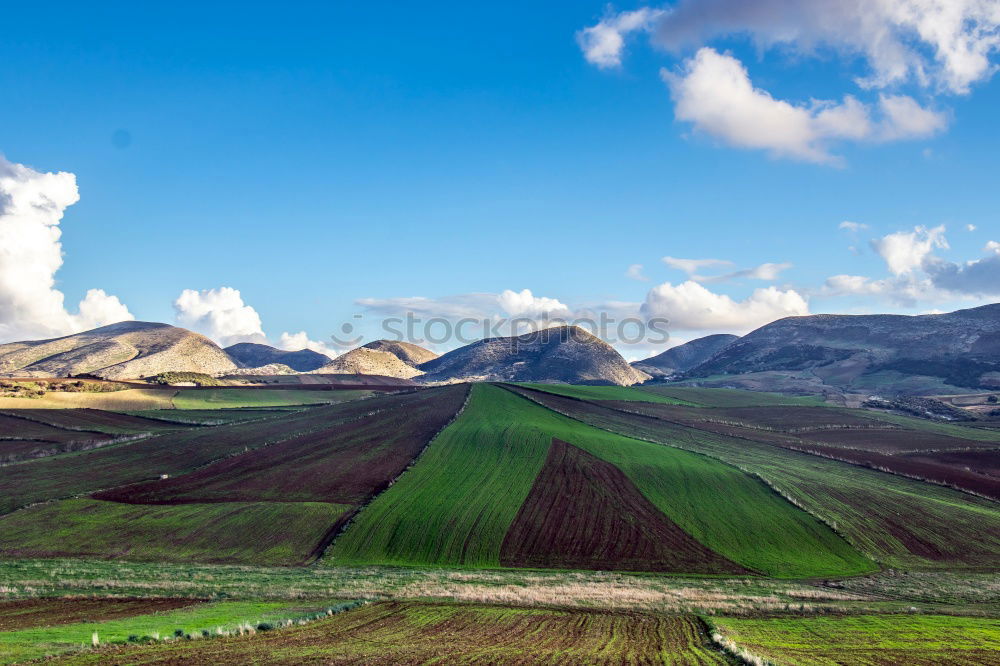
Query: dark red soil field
{"x":584,"y":513}
{"x":893,"y":440}
{"x":175,"y":452}
{"x":27,"y":613}
{"x":14,"y":427}
{"x":346,"y":463}
{"x":985,"y":462}
{"x":97,"y":420}
{"x":916,"y":468}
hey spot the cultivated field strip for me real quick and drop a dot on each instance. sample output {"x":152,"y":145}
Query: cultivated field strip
{"x":456,"y":505}
{"x":898,"y":521}
{"x":441,"y":633}
{"x":27,"y":613}
{"x":254,"y":533}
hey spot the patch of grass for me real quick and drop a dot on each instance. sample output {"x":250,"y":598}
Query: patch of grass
{"x":868,"y":639}
{"x":720,"y":397}
{"x":38,"y":642}
{"x":457,"y":503}
{"x":275,"y":533}
{"x":256,"y":397}
{"x":626,"y":393}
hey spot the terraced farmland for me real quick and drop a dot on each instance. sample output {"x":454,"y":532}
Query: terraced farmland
{"x":457,"y":504}
{"x":420,"y":633}
{"x":624,"y":393}
{"x":868,"y":639}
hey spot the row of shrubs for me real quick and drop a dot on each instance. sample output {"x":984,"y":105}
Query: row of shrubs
{"x":196,"y":378}
{"x":37,"y":389}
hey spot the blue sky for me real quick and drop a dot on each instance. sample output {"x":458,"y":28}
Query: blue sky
{"x":313,"y":157}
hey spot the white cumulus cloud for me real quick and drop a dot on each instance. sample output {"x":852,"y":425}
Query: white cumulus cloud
{"x":692,"y":306}
{"x":32,"y":205}
{"x":713,"y":92}
{"x":602,"y":44}
{"x":299,"y":341}
{"x":692,"y":266}
{"x":219,"y":314}
{"x":906,"y":251}
{"x":525,"y":304}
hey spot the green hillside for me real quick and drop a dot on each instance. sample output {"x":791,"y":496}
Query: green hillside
{"x":455,"y":506}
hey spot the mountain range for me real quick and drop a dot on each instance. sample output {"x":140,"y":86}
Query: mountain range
{"x":924,"y":354}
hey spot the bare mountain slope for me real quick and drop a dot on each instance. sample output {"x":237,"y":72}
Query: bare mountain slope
{"x":407,"y":352}
{"x":127,"y":350}
{"x":686,"y":356}
{"x":562,"y":354}
{"x":253,"y":355}
{"x":364,"y":361}
{"x":871,"y":352}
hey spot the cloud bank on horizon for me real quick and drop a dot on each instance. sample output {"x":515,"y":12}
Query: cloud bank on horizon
{"x":934,"y":48}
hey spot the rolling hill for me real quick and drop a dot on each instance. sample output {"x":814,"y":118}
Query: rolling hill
{"x":407,"y":352}
{"x":686,"y":356}
{"x":924,"y":353}
{"x":253,"y":355}
{"x":126,"y":350}
{"x":562,"y":354}
{"x":365,"y":361}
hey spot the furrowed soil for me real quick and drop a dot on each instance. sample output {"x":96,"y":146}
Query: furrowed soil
{"x":346,"y":463}
{"x":171,"y":453}
{"x":584,"y":513}
{"x":442,"y":633}
{"x":25,"y":613}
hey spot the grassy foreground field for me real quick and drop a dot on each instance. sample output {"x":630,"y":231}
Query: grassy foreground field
{"x":868,"y":639}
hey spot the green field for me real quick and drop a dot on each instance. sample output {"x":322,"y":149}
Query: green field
{"x":868,"y":639}
{"x":38,"y":642}
{"x":625,"y":393}
{"x":718,"y":397}
{"x":457,"y":503}
{"x":261,"y":533}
